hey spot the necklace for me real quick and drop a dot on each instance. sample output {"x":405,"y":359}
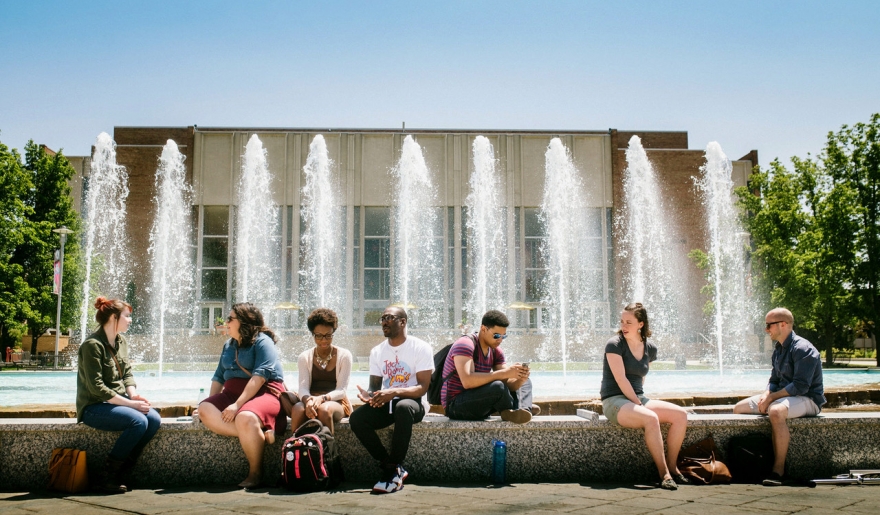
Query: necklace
{"x":323,"y":362}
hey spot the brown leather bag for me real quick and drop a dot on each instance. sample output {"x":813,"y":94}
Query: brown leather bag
{"x":700,"y":464}
{"x":67,"y":471}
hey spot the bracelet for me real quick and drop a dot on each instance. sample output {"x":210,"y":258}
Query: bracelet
{"x":325,"y":397}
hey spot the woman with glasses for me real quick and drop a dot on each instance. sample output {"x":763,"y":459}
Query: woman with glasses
{"x":324,"y":372}
{"x":245,"y":388}
{"x":627,"y":359}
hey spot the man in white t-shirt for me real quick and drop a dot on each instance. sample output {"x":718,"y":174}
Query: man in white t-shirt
{"x":400,"y":372}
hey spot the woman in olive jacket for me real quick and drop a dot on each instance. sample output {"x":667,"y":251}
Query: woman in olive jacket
{"x":106,"y":393}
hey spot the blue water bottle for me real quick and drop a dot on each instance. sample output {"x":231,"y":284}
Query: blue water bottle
{"x":499,"y":462}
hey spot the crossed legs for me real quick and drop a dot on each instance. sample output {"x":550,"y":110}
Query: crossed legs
{"x":649,"y":417}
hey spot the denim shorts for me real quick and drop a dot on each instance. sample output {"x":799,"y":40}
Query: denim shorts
{"x":611,"y":406}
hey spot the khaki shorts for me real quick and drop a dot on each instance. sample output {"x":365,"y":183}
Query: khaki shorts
{"x":611,"y":406}
{"x":798,"y":406}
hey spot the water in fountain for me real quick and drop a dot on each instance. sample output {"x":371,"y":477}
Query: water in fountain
{"x":733,"y":309}
{"x":487,"y":225}
{"x":105,"y":248}
{"x":172,"y":280}
{"x":322,"y":255}
{"x":257,"y":242}
{"x":646,"y":242}
{"x":572,"y":285}
{"x":418,"y":241}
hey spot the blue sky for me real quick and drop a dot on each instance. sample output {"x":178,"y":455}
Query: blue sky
{"x":770,"y":75}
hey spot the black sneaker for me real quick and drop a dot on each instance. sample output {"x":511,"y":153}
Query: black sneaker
{"x":773,"y":479}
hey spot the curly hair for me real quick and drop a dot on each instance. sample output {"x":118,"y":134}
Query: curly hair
{"x":106,"y":308}
{"x":641,"y":314}
{"x":251,"y":324}
{"x":322,"y":316}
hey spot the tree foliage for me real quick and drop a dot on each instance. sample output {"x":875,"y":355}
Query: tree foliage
{"x":52,"y":207}
{"x":14,"y":213}
{"x":35,"y":199}
{"x":812,"y":232}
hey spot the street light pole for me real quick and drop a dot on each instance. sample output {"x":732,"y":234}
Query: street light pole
{"x":63,"y":231}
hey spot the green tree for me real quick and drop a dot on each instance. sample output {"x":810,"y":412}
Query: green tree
{"x":51,"y":206}
{"x":14,"y":212}
{"x":853,"y":158}
{"x":801,"y":223}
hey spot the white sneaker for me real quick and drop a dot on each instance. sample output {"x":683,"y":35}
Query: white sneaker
{"x":399,"y":476}
{"x":386,"y":487}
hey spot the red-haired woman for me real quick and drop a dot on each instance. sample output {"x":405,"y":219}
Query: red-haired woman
{"x":243,"y":399}
{"x":627,"y":359}
{"x":106,"y":393}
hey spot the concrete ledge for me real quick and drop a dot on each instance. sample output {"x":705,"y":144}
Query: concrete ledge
{"x":550,"y":448}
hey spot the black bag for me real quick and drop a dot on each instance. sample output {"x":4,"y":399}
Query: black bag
{"x":437,"y":379}
{"x":750,"y":458}
{"x":309,"y":460}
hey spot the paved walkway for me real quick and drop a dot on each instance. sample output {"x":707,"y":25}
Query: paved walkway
{"x":447,"y":499}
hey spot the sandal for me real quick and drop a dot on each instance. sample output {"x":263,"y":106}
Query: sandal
{"x":681,"y":479}
{"x":668,"y":484}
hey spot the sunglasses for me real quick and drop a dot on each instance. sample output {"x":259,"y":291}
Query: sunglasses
{"x":499,"y":336}
{"x":387,"y":318}
{"x":771,"y":324}
{"x":230,"y":318}
{"x":328,"y":336}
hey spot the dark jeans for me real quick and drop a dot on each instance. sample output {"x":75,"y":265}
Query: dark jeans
{"x":365,"y":420}
{"x":137,"y":428}
{"x":478,"y":403}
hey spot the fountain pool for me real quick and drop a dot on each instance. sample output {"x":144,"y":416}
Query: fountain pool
{"x":17,"y":388}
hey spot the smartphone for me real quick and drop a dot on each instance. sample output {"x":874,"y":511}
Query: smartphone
{"x":526,"y":365}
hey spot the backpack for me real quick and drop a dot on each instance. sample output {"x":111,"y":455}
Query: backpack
{"x":750,"y":458}
{"x":437,"y":379}
{"x":309,"y":460}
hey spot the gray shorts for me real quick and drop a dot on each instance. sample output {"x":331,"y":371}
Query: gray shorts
{"x":798,"y":406}
{"x":611,"y":406}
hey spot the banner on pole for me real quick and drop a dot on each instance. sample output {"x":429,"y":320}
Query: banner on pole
{"x":56,"y":278}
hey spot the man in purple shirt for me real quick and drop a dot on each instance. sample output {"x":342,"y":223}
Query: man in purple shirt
{"x":795,"y":388}
{"x":478,"y":380}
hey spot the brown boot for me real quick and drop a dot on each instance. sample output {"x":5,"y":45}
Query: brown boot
{"x":112,"y":483}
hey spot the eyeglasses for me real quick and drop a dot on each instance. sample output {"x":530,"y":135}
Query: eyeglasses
{"x":771,"y":324}
{"x":328,"y":336}
{"x":387,"y":318}
{"x":499,"y":335}
{"x":230,"y":318}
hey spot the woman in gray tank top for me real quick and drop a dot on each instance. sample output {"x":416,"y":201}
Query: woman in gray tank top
{"x":627,"y":360}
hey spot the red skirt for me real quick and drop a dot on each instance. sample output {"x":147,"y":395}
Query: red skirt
{"x":265,"y":405}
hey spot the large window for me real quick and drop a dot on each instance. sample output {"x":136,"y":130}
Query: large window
{"x":535,"y":267}
{"x":215,"y":253}
{"x":377,"y":262}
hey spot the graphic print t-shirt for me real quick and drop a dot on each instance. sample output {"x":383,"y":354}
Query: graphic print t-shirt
{"x":398,"y":365}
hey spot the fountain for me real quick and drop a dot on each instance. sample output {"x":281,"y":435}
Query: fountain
{"x":731,"y":305}
{"x":418,"y":241}
{"x":571,"y":284}
{"x":172,"y":279}
{"x":323,"y":257}
{"x":647,"y":236}
{"x":104,"y":246}
{"x":487,"y":225}
{"x":257,"y":238}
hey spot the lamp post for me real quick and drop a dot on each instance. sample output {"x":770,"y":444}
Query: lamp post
{"x":63,"y":231}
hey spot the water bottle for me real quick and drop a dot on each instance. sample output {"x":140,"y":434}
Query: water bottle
{"x":201,"y":396}
{"x":195,"y":416}
{"x":499,"y":462}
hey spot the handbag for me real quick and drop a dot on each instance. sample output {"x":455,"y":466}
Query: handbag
{"x":698,"y":463}
{"x":67,"y":471}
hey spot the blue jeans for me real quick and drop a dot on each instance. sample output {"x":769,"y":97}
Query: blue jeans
{"x":478,"y":403}
{"x":137,"y":428}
